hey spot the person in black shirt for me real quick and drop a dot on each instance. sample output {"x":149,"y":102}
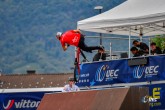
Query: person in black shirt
{"x":101,"y":55}
{"x":143,"y":47}
{"x":155,"y":49}
{"x":136,"y":52}
{"x":164,"y":51}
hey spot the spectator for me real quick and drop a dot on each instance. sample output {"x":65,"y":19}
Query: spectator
{"x":143,"y":47}
{"x":136,"y":52}
{"x":164,"y":51}
{"x":155,"y":49}
{"x":71,"y":87}
{"x":101,"y":55}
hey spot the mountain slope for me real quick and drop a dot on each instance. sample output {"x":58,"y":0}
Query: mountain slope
{"x":28,"y":27}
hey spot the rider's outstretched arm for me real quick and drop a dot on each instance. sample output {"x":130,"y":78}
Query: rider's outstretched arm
{"x":78,"y":31}
{"x":65,"y":46}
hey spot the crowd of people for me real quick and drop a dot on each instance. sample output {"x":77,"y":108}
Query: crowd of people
{"x":142,"y":49}
{"x":138,"y":49}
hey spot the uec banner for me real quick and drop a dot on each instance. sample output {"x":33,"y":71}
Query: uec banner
{"x":118,"y":71}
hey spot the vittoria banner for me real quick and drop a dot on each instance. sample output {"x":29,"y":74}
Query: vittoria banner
{"x":20,"y":101}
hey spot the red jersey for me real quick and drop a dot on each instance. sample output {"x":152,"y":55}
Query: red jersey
{"x":70,"y":37}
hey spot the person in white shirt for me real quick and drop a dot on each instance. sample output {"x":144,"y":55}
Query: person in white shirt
{"x":71,"y":87}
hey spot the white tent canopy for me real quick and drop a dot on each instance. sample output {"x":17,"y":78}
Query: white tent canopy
{"x":140,"y":17}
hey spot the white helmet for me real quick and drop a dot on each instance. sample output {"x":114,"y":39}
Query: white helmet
{"x":58,"y":34}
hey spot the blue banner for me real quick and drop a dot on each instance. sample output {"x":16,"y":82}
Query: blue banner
{"x":118,"y":71}
{"x":20,"y":101}
{"x":156,"y":96}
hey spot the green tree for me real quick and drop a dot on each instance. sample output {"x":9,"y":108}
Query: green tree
{"x":160,"y":41}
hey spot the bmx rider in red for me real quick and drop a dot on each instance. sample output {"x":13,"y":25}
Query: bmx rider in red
{"x":75,"y":38}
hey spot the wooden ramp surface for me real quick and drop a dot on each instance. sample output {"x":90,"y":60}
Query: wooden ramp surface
{"x":108,"y":99}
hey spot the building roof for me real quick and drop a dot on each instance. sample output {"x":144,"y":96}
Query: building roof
{"x":34,"y":80}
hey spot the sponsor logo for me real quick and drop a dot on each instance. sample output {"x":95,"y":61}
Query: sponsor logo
{"x":100,"y":73}
{"x":84,"y":75}
{"x":155,"y":97}
{"x":20,"y":104}
{"x":140,"y":71}
{"x":75,"y":39}
{"x":148,"y":99}
{"x":9,"y":105}
{"x":104,"y":72}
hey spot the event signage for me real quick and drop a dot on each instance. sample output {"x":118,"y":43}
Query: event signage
{"x":118,"y":71}
{"x":156,"y":96}
{"x":20,"y":101}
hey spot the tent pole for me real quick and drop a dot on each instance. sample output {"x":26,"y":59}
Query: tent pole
{"x":149,"y":46}
{"x":100,"y":38}
{"x":129,"y":41}
{"x":141,"y":39}
{"x":110,"y":50}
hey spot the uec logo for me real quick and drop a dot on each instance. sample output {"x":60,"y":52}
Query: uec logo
{"x":138,"y":71}
{"x":148,"y":71}
{"x":100,"y":73}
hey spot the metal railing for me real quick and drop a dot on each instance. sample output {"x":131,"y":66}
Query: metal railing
{"x":121,"y":38}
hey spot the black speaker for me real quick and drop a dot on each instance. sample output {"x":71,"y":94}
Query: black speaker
{"x":138,"y":61}
{"x":124,"y":55}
